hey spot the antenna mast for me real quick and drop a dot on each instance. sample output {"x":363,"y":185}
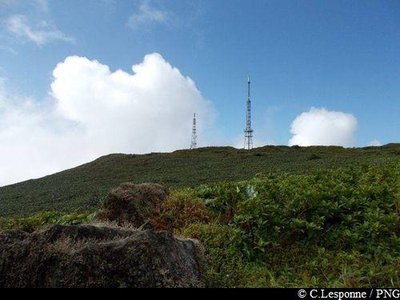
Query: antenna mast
{"x":248,"y":133}
{"x":194,"y":134}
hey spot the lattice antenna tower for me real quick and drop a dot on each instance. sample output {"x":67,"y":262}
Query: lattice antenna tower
{"x":248,"y":132}
{"x":194,"y":134}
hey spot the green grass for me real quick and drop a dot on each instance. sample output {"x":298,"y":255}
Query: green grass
{"x":84,"y":188}
{"x":317,"y":222}
{"x":44,"y":219}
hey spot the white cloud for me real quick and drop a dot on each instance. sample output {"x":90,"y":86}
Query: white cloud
{"x":41,"y":33}
{"x":95,"y":112}
{"x":323,"y":127}
{"x":148,"y":15}
{"x":375,"y":143}
{"x":39,"y":4}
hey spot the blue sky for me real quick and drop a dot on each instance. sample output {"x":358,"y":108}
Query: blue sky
{"x":341,"y":56}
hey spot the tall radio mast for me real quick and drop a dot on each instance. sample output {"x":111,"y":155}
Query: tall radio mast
{"x":248,"y":133}
{"x":194,"y":134}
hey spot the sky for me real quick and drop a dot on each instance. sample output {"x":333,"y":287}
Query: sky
{"x":81,"y":79}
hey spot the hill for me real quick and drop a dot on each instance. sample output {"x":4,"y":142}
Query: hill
{"x":83,"y":188}
{"x":331,"y":228}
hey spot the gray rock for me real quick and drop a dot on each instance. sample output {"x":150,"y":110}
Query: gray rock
{"x":89,"y":256}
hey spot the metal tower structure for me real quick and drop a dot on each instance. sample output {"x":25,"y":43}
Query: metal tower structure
{"x":248,"y":132}
{"x":194,"y":134}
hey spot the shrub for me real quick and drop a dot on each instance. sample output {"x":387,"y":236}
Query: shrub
{"x":133,"y":204}
{"x":332,"y":228}
{"x":32,"y":223}
{"x":180,"y":210}
{"x":226,"y":266}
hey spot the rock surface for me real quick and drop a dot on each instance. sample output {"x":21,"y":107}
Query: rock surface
{"x":133,"y":204}
{"x":87,"y":256}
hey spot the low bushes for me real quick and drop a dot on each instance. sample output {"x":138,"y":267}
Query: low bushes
{"x":337,"y":228}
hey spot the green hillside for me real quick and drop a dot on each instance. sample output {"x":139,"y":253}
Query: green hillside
{"x":330,"y":228}
{"x":83,"y":188}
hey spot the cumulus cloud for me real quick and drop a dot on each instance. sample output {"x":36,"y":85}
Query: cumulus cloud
{"x":323,"y":127}
{"x":95,"y":111}
{"x":375,"y":143}
{"x":146,"y":14}
{"x":27,"y":136}
{"x":41,"y":33}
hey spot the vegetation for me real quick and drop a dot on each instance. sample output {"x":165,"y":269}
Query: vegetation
{"x":331,"y":229}
{"x":314,"y":217}
{"x":44,"y":219}
{"x":84,"y":188}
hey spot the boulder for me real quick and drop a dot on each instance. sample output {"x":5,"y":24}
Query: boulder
{"x":133,"y":204}
{"x":88,"y":256}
